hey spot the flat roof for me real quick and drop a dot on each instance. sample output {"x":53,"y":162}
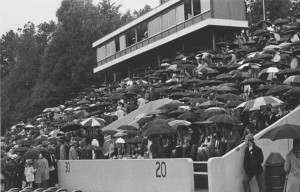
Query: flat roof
{"x":183,"y":32}
{"x":136,"y":21}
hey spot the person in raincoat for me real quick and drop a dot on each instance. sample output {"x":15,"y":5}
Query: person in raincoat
{"x":292,"y":167}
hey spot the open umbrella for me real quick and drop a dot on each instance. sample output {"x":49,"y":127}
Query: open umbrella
{"x":268,"y":73}
{"x":230,"y":97}
{"x":233,"y":104}
{"x":21,"y":149}
{"x":176,"y":123}
{"x":213,"y":111}
{"x":70,"y":126}
{"x":295,"y":79}
{"x":210,"y":103}
{"x":287,"y":127}
{"x":109,"y":132}
{"x":257,"y":103}
{"x":223,"y":76}
{"x":252,"y":81}
{"x":92,"y":122}
{"x":249,"y":65}
{"x":157,"y":127}
{"x":278,"y":89}
{"x":189,"y":116}
{"x":224,"y":119}
{"x":135,"y":140}
{"x":127,"y":127}
{"x":225,"y":88}
{"x":32,"y":154}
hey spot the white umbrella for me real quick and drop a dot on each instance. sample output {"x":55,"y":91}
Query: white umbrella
{"x":120,"y":140}
{"x":251,"y":65}
{"x":176,"y":123}
{"x":173,"y":67}
{"x":165,"y":64}
{"x":47,"y":110}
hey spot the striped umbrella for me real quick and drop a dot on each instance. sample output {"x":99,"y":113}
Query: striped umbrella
{"x":255,"y":104}
{"x":91,"y":122}
{"x":292,"y":79}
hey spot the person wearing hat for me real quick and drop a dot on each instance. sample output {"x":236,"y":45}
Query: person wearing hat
{"x":106,"y":147}
{"x":72,"y":152}
{"x":253,"y":160}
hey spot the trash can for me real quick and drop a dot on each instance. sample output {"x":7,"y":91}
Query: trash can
{"x":274,"y":171}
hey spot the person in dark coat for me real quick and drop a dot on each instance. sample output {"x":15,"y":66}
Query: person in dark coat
{"x":10,"y":170}
{"x":253,"y":160}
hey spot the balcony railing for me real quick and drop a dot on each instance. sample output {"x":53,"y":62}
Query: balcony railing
{"x":161,"y":35}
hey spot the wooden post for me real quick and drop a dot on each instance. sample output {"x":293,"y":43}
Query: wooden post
{"x":115,"y":77}
{"x":129,"y":74}
{"x":158,"y":58}
{"x":214,"y":40}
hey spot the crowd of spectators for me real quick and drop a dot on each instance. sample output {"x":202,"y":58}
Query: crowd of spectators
{"x":202,"y":84}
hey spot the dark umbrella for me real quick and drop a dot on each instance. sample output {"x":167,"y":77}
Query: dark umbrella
{"x":222,"y":44}
{"x":21,"y":149}
{"x":278,"y":89}
{"x":132,"y":132}
{"x":294,"y":90}
{"x":260,"y":32}
{"x":135,"y":140}
{"x":225,"y":119}
{"x":189,"y":116}
{"x":157,"y":127}
{"x":263,"y":24}
{"x":226,"y":89}
{"x":230,"y":97}
{"x":176,"y":113}
{"x":233,"y":104}
{"x":210,"y":103}
{"x":32,"y":154}
{"x":264,"y":88}
{"x":176,"y":95}
{"x":252,"y":81}
{"x":223,"y":76}
{"x":70,"y":126}
{"x":127,"y":127}
{"x":281,"y":21}
{"x":109,"y":132}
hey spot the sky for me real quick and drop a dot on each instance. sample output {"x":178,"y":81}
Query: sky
{"x":15,"y":14}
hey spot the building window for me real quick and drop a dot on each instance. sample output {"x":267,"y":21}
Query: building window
{"x":205,"y":5}
{"x":196,"y":7}
{"x":154,"y":26}
{"x":180,"y":14}
{"x":101,"y":53}
{"x":122,"y":40}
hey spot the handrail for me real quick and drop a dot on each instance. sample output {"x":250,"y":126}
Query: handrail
{"x":192,"y":19}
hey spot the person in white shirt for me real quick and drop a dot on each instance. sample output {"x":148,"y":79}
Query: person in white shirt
{"x":94,"y":142}
{"x":141,"y":101}
{"x":119,"y":113}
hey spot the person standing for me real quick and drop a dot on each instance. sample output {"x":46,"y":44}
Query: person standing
{"x":42,"y":172}
{"x":10,"y":170}
{"x":292,"y":167}
{"x":72,"y":152}
{"x":253,"y":160}
{"x":29,"y":173}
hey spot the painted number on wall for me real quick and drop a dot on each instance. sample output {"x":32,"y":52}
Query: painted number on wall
{"x":161,"y":170}
{"x":68,"y":167}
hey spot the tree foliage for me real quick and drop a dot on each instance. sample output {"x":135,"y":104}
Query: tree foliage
{"x":41,"y":66}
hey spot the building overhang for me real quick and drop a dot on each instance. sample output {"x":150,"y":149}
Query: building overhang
{"x":135,"y":22}
{"x":181,"y":33}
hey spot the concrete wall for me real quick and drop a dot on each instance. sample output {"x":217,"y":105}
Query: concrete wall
{"x":127,"y":175}
{"x":228,"y":171}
